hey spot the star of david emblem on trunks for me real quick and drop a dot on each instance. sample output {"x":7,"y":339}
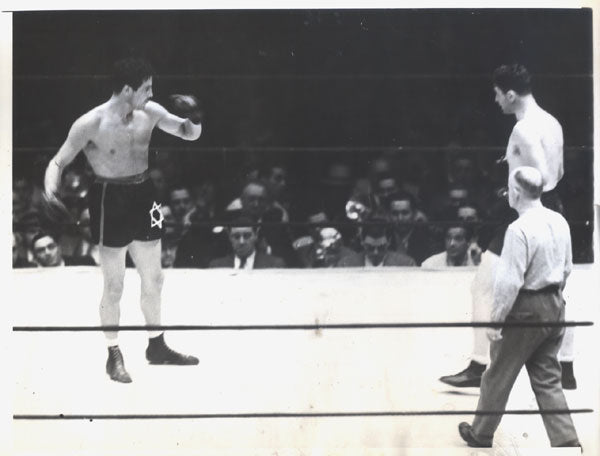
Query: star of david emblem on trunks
{"x":156,"y":216}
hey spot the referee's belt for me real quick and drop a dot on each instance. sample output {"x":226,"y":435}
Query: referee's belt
{"x":554,"y":288}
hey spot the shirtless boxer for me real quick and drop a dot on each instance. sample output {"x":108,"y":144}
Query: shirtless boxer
{"x":124,"y":214}
{"x":537,"y":141}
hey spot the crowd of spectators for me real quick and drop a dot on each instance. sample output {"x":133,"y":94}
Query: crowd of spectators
{"x":394,"y":208}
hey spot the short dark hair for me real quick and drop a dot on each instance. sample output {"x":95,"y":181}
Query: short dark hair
{"x":242,"y":221}
{"x":376,"y":227}
{"x":513,"y":77}
{"x":467,"y":229}
{"x":130,"y":71}
{"x":39,"y":235}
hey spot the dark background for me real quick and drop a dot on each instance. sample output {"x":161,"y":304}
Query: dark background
{"x":314,"y":86}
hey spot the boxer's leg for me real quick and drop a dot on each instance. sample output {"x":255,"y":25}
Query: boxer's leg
{"x":146,"y":256}
{"x":482,"y":290}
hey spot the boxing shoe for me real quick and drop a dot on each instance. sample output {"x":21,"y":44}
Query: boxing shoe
{"x":115,"y":367}
{"x":159,"y":353}
{"x":470,"y":377}
{"x":567,"y":376}
{"x":466,"y":432}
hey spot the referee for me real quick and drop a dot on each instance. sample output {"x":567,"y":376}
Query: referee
{"x":535,"y":262}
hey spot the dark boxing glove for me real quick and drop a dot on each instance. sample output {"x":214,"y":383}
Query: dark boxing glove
{"x":186,"y":106}
{"x":55,"y":210}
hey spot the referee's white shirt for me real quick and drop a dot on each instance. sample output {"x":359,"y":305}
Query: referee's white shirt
{"x":536,"y":254}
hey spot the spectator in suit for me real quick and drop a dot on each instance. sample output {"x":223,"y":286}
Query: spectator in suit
{"x":46,"y":253}
{"x":274,"y":176}
{"x":376,"y":252}
{"x":181,"y":204}
{"x":274,"y":238}
{"x":322,"y":245}
{"x":408,"y":238}
{"x":168,"y":252}
{"x":243,"y":238}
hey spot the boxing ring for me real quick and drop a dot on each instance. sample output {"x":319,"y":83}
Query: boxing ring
{"x":298,"y":362}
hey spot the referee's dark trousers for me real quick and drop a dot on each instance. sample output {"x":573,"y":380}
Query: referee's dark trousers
{"x":536,"y":348}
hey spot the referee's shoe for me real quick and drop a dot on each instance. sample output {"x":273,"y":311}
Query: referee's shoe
{"x":466,"y":432}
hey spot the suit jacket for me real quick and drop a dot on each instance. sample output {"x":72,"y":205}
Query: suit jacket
{"x":420,"y":245}
{"x":261,"y":261}
{"x":391,"y":259}
{"x":277,"y":237}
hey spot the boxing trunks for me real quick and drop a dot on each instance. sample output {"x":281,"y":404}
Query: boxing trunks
{"x":124,"y":209}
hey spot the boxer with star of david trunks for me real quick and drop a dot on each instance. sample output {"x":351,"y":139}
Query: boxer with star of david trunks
{"x":124,"y":210}
{"x":124,"y":215}
{"x":536,"y":141}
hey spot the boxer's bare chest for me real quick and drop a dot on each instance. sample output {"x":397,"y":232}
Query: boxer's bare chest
{"x":120,"y":147}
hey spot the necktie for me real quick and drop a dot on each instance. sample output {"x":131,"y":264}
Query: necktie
{"x":243,"y":262}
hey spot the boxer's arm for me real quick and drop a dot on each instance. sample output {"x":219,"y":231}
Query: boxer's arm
{"x":174,"y":125}
{"x":78,"y":137}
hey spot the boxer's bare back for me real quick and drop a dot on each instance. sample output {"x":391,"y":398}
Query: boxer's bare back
{"x":537,"y":140}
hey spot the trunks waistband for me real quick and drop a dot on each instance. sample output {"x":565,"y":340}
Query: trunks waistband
{"x":135,"y":179}
{"x":549,"y":289}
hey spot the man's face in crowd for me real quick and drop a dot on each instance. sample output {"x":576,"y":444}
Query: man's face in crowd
{"x":402,"y":212}
{"x":168,"y":254}
{"x":375,"y":248}
{"x":254,"y":200}
{"x":457,"y":243}
{"x":181,"y":202}
{"x":243,"y":240}
{"x":46,"y":252}
{"x":278,"y":180}
{"x":386,"y":187}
